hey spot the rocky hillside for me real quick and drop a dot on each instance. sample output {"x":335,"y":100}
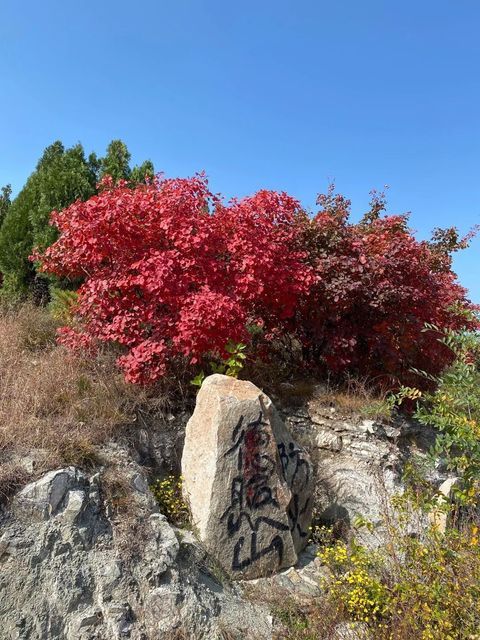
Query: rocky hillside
{"x":89,"y":555}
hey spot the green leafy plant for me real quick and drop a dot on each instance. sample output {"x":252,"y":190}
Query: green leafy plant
{"x":168,"y":494}
{"x":197,"y":381}
{"x":424,"y":588}
{"x":356,"y":581}
{"x":453,"y":409}
{"x":62,"y":176}
{"x":233,"y":364}
{"x":230,"y":366}
{"x":321,"y":534}
{"x":62,"y":304}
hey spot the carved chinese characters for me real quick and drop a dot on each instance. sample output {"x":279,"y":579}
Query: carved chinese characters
{"x":248,"y":484}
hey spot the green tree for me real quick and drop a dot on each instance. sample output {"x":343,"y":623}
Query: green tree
{"x":116,"y":163}
{"x":142,"y":172}
{"x":5,"y":202}
{"x":15,"y":244}
{"x":61,"y":177}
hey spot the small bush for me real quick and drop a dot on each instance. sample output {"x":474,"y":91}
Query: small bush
{"x":422,"y":589}
{"x":425,"y":586}
{"x":454,"y":410}
{"x":117,"y":495}
{"x":62,"y":304}
{"x":355,"y":582}
{"x":168,"y":494}
{"x":12,"y":477}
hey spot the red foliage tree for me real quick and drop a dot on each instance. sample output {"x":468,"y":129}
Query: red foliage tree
{"x":171,"y":271}
{"x":376,"y":288}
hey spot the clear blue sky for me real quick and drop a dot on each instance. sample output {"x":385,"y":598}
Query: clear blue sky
{"x":272,"y":93}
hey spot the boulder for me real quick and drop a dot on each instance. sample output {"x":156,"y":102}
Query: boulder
{"x":359,"y":464}
{"x":248,"y":484}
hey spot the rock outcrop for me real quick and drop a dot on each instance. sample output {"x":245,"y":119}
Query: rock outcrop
{"x":248,"y":484}
{"x":359,"y":463}
{"x":88,"y":556}
{"x":68,"y":573}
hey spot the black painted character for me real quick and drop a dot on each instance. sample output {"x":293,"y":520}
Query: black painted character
{"x":250,"y":491}
{"x":294,"y":456}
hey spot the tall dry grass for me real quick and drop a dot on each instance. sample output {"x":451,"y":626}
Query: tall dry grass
{"x":54,"y":406}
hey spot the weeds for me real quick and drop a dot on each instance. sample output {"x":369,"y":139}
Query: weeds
{"x":302,"y":618}
{"x":168,"y":494}
{"x":427,"y":589}
{"x":55,"y":403}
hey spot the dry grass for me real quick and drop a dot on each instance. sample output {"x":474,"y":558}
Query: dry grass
{"x":117,"y":493}
{"x":356,"y":396}
{"x":299,"y":617}
{"x":12,"y":477}
{"x":352,"y":396}
{"x":183,"y":634}
{"x":53,"y":402}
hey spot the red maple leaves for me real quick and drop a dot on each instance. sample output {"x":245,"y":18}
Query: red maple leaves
{"x":170,"y":271}
{"x":376,"y":288}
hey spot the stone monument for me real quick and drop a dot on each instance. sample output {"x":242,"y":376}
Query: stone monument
{"x":248,"y":484}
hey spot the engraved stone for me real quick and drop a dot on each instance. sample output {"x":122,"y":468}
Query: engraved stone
{"x":248,"y":484}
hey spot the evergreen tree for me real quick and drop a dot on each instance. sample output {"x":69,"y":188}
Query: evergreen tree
{"x":95,"y":164}
{"x":15,"y":245}
{"x":116,"y":162}
{"x":61,"y":177}
{"x":5,"y":202}
{"x":140,"y":173}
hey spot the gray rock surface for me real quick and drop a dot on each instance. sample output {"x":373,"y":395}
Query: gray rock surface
{"x":305,"y":579}
{"x":247,"y":482}
{"x":351,"y":631}
{"x":68,"y":571}
{"x":359,"y":464}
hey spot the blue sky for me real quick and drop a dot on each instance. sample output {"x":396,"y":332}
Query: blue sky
{"x":277,"y":94}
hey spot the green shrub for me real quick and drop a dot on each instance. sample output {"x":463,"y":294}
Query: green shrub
{"x":61,"y":177}
{"x":62,"y":304}
{"x":453,"y":409}
{"x":427,"y":586}
{"x":229,"y":366}
{"x":417,"y":588}
{"x":356,"y":582}
{"x":168,"y":494}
